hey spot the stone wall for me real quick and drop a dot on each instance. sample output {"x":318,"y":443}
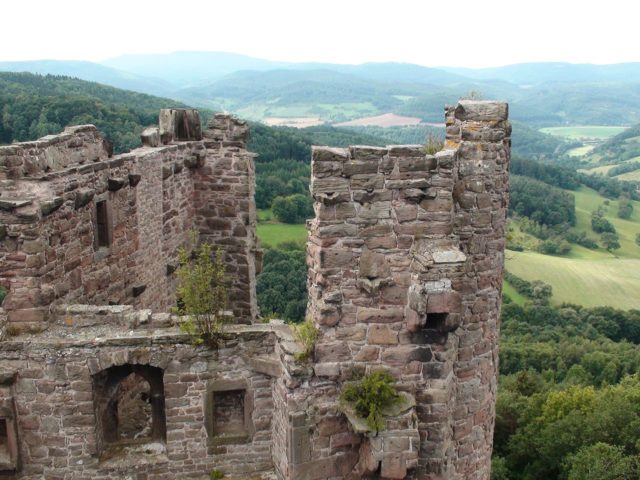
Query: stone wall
{"x":49,"y":250}
{"x":405,"y":257}
{"x":51,"y":381}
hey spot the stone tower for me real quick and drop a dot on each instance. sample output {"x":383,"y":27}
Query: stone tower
{"x":406,"y":256}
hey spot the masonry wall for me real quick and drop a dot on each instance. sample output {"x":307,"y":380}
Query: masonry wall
{"x":48,"y":247}
{"x":405,"y":257}
{"x":51,"y":384}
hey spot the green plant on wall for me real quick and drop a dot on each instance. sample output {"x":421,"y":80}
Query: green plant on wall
{"x":216,"y":474}
{"x":307,"y":334}
{"x":370,"y":396}
{"x":433,"y":144}
{"x":202,"y":292}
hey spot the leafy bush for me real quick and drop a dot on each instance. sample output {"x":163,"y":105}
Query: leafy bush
{"x":370,"y":396}
{"x":537,"y":290}
{"x":610,"y":241}
{"x":625,"y":208}
{"x":599,"y":224}
{"x":216,"y":475}
{"x":307,"y":334}
{"x":202,"y":293}
{"x":3,"y":294}
{"x":581,"y":239}
{"x":554,"y":246}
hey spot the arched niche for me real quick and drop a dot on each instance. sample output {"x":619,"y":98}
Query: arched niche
{"x":129,"y":405}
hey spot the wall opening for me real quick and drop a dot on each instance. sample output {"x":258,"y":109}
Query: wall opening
{"x":103,"y":229}
{"x":129,"y":405}
{"x":5,"y":457}
{"x":8,"y":446}
{"x":135,"y":416}
{"x":436,"y":321}
{"x":228,"y":412}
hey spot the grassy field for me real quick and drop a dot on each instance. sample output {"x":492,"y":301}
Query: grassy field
{"x":630,"y":176}
{"x":602,"y":170}
{"x":326,"y":111}
{"x":580,"y":151}
{"x":614,"y":282}
{"x":589,"y":277}
{"x":586,"y":132}
{"x":511,"y":292}
{"x":272,"y":233}
{"x":587,"y":200}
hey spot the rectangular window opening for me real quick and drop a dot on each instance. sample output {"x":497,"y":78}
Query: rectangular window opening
{"x":229,"y":412}
{"x":7,"y":447}
{"x":102,"y":224}
{"x":436,"y":320}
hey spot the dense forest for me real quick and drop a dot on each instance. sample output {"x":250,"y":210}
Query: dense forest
{"x":569,"y":397}
{"x":32,"y":106}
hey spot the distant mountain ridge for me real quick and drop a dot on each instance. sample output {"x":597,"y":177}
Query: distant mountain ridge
{"x":540,"y":94}
{"x":551,"y":72}
{"x":92,"y":72}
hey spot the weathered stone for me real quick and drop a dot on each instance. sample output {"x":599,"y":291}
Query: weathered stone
{"x":150,"y":137}
{"x":83,"y":197}
{"x":134,"y":179}
{"x":179,"y":124}
{"x":382,"y":335}
{"x":47,"y":207}
{"x":374,"y":265}
{"x":8,"y":204}
{"x":479,"y":110}
{"x":115,"y":184}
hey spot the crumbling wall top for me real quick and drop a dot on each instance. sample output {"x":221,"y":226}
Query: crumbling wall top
{"x":76,"y":145}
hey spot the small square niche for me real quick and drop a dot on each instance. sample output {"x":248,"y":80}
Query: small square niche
{"x":229,"y":406}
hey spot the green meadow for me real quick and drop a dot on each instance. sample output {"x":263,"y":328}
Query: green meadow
{"x":272,"y":233}
{"x":588,"y":277}
{"x":591,"y":132}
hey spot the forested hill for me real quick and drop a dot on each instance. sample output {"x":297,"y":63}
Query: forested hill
{"x":32,"y":106}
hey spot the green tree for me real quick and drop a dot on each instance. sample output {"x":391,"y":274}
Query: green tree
{"x":602,"y":461}
{"x":625,"y":208}
{"x":292,"y":209}
{"x":610,"y":241}
{"x":202,"y":292}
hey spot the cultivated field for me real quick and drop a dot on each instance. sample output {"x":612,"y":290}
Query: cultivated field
{"x":297,"y":122}
{"x":580,"y":151}
{"x":589,"y":277}
{"x":586,"y":132}
{"x":384,"y":120}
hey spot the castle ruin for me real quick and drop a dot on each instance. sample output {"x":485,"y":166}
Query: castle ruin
{"x":405,"y":258}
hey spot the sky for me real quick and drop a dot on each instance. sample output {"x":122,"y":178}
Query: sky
{"x":460,"y":33}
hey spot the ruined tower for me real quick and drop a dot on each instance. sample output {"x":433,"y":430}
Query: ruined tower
{"x":405,"y":262}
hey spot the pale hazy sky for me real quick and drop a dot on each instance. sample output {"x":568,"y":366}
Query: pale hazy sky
{"x":444,"y":32}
